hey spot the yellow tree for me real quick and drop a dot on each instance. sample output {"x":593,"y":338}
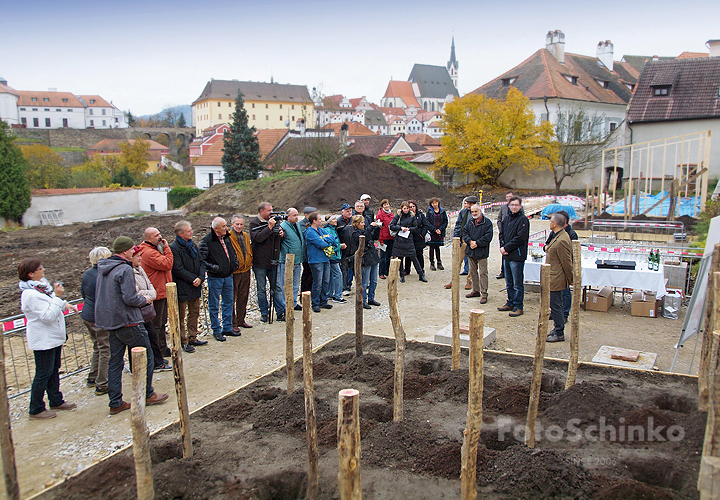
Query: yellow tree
{"x":484,"y":137}
{"x":44,"y":167}
{"x":134,"y":156}
{"x":95,"y":172}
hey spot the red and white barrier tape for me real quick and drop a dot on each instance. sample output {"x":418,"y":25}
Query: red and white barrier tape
{"x":21,"y":322}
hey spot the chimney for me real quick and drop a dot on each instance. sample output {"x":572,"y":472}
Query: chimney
{"x":714,"y":46}
{"x":555,"y":43}
{"x":51,"y":89}
{"x":3,"y":80}
{"x":604,"y":52}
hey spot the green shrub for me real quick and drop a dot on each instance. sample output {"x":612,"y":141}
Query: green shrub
{"x":406,"y":165}
{"x":180,"y":195}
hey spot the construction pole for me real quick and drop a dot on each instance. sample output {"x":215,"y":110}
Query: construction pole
{"x":289,"y":322}
{"x":358,"y":297}
{"x":348,"y":443}
{"x":540,"y":340}
{"x":140,"y":431}
{"x":575,"y":315}
{"x":471,"y":435}
{"x":399,"y":375}
{"x":456,"y":264}
{"x":309,"y":386}
{"x":178,"y":372}
{"x":711,"y":320}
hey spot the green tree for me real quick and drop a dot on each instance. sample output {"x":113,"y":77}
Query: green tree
{"x":181,"y":121}
{"x":97,"y":171}
{"x":123,"y":177}
{"x":581,"y":138}
{"x":44,"y":167}
{"x":14,"y":185}
{"x":484,"y":137}
{"x":241,"y":156}
{"x":131,"y":119}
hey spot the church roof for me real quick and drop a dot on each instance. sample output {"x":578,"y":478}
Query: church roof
{"x":433,"y":81}
{"x":255,"y":91}
{"x":452,"y":61}
{"x":404,"y":91}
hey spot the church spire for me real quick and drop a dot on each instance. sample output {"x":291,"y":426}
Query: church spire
{"x":452,"y":65}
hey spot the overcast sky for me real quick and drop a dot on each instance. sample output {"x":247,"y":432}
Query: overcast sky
{"x":146,"y":55}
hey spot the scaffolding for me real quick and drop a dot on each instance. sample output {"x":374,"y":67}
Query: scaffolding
{"x":51,"y":218}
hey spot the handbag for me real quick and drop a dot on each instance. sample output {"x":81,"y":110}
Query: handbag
{"x":148,"y":312}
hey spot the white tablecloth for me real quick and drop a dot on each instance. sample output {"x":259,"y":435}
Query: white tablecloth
{"x":639,"y":279}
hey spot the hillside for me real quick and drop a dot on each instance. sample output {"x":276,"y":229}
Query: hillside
{"x":342,"y":182}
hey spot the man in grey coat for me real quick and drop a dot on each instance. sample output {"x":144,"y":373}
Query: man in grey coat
{"x":117,"y":310}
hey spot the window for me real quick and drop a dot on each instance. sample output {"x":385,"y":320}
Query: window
{"x":46,"y":109}
{"x":65,"y":122}
{"x":92,"y":101}
{"x":571,"y":79}
{"x":91,"y":111}
{"x":92,"y":123}
{"x":293,"y":118}
{"x":506,"y":82}
{"x":218,"y":104}
{"x":281,"y":106}
{"x":70,"y":110}
{"x":23,"y":120}
{"x":58,"y":110}
{"x":22,"y":109}
{"x":661,"y":91}
{"x":103,"y":111}
{"x":210,"y":180}
{"x":34,"y":109}
{"x":253,"y":105}
{"x":104,"y":123}
{"x":230,"y":105}
{"x":36,"y":122}
{"x":33,"y":99}
{"x":266,"y":106}
{"x":64,"y":99}
{"x":267,"y":117}
{"x":220,"y":116}
{"x":116,"y":120}
{"x":613,"y":126}
{"x":253,"y":117}
{"x":280,"y":117}
{"x":630,"y":86}
{"x":152,"y":207}
{"x":578,"y":131}
{"x":292,"y":106}
{"x":46,"y":99}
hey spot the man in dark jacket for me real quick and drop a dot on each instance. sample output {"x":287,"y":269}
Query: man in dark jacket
{"x":477,"y":235}
{"x":514,"y":238}
{"x":218,"y":255}
{"x":117,"y":310}
{"x":504,"y":211}
{"x":188,"y":273}
{"x":345,"y":230}
{"x":567,"y":294}
{"x":98,"y":375}
{"x":462,"y":219}
{"x":266,"y":243}
{"x":369,"y":213}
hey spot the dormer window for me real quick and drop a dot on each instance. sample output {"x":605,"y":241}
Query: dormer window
{"x":572,"y":79}
{"x":506,"y":82}
{"x":64,"y":99}
{"x":630,"y":86}
{"x":33,"y":99}
{"x":661,"y":90}
{"x":92,"y":101}
{"x":604,"y":83}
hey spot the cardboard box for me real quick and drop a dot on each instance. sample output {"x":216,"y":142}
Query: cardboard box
{"x":599,"y":300}
{"x":644,"y":305}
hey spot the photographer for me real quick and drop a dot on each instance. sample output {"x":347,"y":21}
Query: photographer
{"x":266,"y":235}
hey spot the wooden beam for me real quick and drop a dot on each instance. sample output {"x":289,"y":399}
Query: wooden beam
{"x":178,"y":372}
{"x":471,"y":435}
{"x":575,"y":315}
{"x":141,"y":433}
{"x":289,"y":322}
{"x":679,"y":188}
{"x":12,"y":486}
{"x":309,"y":386}
{"x":457,"y":259}
{"x":399,"y":375}
{"x":540,"y":340}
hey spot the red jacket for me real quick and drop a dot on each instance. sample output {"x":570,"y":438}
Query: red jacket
{"x":157,"y":266}
{"x":386,"y":219}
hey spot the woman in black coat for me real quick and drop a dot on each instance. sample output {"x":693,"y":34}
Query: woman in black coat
{"x":403,"y":222}
{"x":421,"y":229}
{"x":370,"y":260}
{"x":438,"y":222}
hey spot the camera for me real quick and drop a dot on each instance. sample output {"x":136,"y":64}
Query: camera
{"x":278,"y":216}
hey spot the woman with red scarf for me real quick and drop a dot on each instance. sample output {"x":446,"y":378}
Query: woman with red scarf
{"x":385,"y":215}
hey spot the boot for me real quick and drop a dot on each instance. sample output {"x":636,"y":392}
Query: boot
{"x":422,"y":277}
{"x":402,"y":278}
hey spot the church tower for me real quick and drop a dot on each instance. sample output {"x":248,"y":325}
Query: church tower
{"x":452,"y":65}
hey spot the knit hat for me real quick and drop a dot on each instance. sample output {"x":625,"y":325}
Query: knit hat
{"x":122,"y":243}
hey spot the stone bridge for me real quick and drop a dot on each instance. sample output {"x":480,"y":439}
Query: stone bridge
{"x":186,"y":135}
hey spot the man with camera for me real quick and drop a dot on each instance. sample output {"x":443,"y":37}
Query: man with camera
{"x":266,"y":235}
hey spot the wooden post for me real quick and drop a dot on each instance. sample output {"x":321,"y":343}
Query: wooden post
{"x":289,"y":322}
{"x":176,"y":352}
{"x":456,"y":265}
{"x":141,"y":433}
{"x":628,"y":200}
{"x":709,"y":480}
{"x":587,"y":205}
{"x":575,"y":315}
{"x":348,"y":442}
{"x":471,"y":435}
{"x":539,"y":354}
{"x":358,"y":297}
{"x":673,"y":200}
{"x":711,"y":444}
{"x":594,"y":204}
{"x":12,"y":487}
{"x":399,"y":340}
{"x":310,"y":420}
{"x":710,"y":320}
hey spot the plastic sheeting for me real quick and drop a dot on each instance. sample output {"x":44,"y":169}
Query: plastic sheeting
{"x":685,"y":206}
{"x":556,"y":207}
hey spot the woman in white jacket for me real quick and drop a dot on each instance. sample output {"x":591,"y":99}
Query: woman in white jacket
{"x":45,"y":331}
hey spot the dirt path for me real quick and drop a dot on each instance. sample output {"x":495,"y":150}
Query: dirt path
{"x":49,"y":451}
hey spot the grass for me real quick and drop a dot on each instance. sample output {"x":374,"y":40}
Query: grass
{"x":264,"y":181}
{"x":406,"y":165}
{"x":59,"y":149}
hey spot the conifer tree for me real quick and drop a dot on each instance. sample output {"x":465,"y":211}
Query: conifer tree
{"x":14,"y":185}
{"x":181,"y":121}
{"x":241,"y":156}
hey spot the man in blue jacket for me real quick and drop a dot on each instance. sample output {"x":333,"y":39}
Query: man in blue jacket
{"x":514,"y":239}
{"x":294,"y":243}
{"x":477,"y":235}
{"x":117,"y":310}
{"x":317,"y":240}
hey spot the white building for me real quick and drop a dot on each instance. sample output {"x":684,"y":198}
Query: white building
{"x":8,"y":103}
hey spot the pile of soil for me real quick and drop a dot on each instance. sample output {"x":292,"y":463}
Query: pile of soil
{"x":251,"y":444}
{"x":342,"y":182}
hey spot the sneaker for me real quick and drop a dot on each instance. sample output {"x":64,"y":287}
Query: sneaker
{"x":264,"y":318}
{"x":197,"y":343}
{"x":432,"y":267}
{"x":165,"y":367}
{"x":100,"y":392}
{"x":326,"y":306}
{"x":373,"y":302}
{"x":281,"y":317}
{"x":366,"y":305}
{"x":64,"y":406}
{"x":219,"y":337}
{"x":340,"y":301}
{"x":500,"y":276}
{"x":156,"y":399}
{"x":472,"y":294}
{"x":117,"y":409}
{"x":556,"y":338}
{"x":448,"y":286}
{"x":167,"y":352}
{"x":298,"y":307}
{"x":44,"y":415}
{"x":188,"y":348}
{"x":316,"y":309}
{"x":505,"y":308}
{"x":346,"y":292}
{"x":91,"y":383}
{"x":464,"y":273}
{"x":516,"y":312}
{"x":440,"y":266}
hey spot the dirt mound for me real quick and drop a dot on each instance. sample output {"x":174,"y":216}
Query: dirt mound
{"x":585,"y":401}
{"x":342,"y":182}
{"x":632,"y":490}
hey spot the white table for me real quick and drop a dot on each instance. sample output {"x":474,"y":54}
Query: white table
{"x":639,"y":279}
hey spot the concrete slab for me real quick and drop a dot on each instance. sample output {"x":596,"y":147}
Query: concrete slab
{"x":444,"y":336}
{"x":646,"y":360}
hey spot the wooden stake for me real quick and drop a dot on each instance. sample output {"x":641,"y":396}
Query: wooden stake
{"x":711,"y":444}
{"x":289,"y":322}
{"x":542,"y":332}
{"x":399,"y":340}
{"x":141,"y":433}
{"x":709,"y":480}
{"x":359,"y":297}
{"x":178,"y":372}
{"x":348,"y":442}
{"x":457,"y":259}
{"x":471,"y":435}
{"x":710,"y":320}
{"x":575,"y":315}
{"x":310,"y":420}
{"x":12,"y":487}
{"x":587,"y":201}
{"x":594,"y":204}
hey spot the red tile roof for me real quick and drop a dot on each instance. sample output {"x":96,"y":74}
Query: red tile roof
{"x":541,"y":75}
{"x":268,"y":138}
{"x":354,"y":129}
{"x":4,"y":89}
{"x":95,"y":101}
{"x":53,"y":192}
{"x":114,"y":145}
{"x":422,"y":140}
{"x":392,"y":111}
{"x":55,"y":99}
{"x":377,"y":146}
{"x":404,"y":91}
{"x":692,"y":55}
{"x":212,"y":156}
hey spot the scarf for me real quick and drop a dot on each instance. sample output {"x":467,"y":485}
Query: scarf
{"x":42,"y":286}
{"x":387,"y":211}
{"x":189,"y":245}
